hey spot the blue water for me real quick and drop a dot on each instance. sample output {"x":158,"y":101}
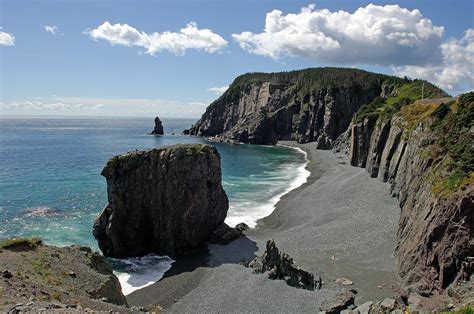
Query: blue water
{"x":50,"y":183}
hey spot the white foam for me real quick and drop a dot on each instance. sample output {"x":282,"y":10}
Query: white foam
{"x":139,"y":272}
{"x":250,"y":212}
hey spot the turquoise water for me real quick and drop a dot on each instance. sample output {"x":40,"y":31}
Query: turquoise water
{"x":50,"y":183}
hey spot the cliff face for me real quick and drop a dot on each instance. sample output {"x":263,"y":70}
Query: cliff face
{"x":426,"y":153}
{"x":306,"y":106}
{"x":165,"y":201}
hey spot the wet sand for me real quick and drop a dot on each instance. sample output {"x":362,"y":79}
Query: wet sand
{"x":340,"y":223}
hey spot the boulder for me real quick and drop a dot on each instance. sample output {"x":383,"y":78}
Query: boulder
{"x":281,"y":266}
{"x":340,"y":302}
{"x":158,"y":130}
{"x":166,"y":201}
{"x":224,"y":234}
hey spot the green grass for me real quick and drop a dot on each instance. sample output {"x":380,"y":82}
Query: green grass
{"x":199,"y":149}
{"x":405,"y":93}
{"x":13,"y":243}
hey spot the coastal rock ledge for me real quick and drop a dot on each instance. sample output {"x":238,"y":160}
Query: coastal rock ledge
{"x":166,"y":201}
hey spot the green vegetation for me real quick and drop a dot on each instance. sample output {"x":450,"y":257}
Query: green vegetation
{"x":405,"y":92}
{"x":465,"y":310}
{"x":199,"y":149}
{"x":314,"y":79}
{"x":15,"y":243}
{"x":453,"y":128}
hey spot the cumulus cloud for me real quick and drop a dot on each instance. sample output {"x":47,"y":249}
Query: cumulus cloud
{"x":218,"y":90}
{"x":383,"y":35}
{"x":189,"y":37}
{"x":51,"y":29}
{"x":456,"y":72}
{"x":6,"y":39}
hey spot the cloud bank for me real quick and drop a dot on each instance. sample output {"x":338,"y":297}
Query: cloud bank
{"x":6,"y":39}
{"x":382,"y":35}
{"x":189,"y":37}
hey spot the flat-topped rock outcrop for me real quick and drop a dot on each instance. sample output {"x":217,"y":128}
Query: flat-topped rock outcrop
{"x":166,"y":201}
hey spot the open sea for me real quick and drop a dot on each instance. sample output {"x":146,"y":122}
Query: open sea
{"x":51,"y":187}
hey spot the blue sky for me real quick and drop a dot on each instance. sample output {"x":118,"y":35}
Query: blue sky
{"x":81,"y":66}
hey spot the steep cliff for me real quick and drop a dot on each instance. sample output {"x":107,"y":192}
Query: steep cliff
{"x":307,"y":105}
{"x":166,"y":201}
{"x":426,"y":151}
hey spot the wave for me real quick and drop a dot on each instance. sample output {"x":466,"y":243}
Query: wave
{"x":139,"y":272}
{"x":249,"y":211}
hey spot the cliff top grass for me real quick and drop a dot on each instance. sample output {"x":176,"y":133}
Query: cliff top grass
{"x":15,"y":243}
{"x":404,"y":93}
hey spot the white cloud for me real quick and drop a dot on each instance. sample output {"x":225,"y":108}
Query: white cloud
{"x":38,"y":106}
{"x":218,"y":90}
{"x":79,"y":106}
{"x":382,"y":35}
{"x":51,"y":29}
{"x":456,"y":72}
{"x":189,"y":37}
{"x":7,"y":39}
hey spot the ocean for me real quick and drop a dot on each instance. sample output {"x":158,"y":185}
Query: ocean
{"x":51,"y":187}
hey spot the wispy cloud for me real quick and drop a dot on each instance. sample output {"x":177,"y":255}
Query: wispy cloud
{"x":189,"y":37}
{"x":218,"y":90}
{"x":6,"y":39}
{"x":51,"y":29}
{"x":103,"y":107}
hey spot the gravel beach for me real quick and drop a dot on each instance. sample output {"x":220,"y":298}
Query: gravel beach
{"x":340,"y":223}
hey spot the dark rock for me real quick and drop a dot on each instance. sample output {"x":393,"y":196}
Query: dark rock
{"x":435,"y":231}
{"x":340,"y":302}
{"x":186,"y":132}
{"x":165,"y":201}
{"x":224,"y":234}
{"x":297,"y":105}
{"x":158,"y":130}
{"x":72,"y":274}
{"x":242,"y":227}
{"x":281,"y":266}
{"x":7,"y":274}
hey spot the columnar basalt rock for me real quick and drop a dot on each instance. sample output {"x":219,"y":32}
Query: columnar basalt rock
{"x":435,"y":230}
{"x":166,"y":201}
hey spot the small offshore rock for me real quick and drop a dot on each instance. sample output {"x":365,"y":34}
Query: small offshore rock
{"x":158,"y":130}
{"x":186,"y":132}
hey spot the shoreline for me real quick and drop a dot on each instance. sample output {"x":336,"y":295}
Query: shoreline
{"x":339,"y":223}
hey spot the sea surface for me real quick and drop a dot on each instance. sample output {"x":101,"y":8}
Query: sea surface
{"x":51,"y":187}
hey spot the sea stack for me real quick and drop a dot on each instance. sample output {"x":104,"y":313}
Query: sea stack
{"x":166,"y":201}
{"x":158,"y":130}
